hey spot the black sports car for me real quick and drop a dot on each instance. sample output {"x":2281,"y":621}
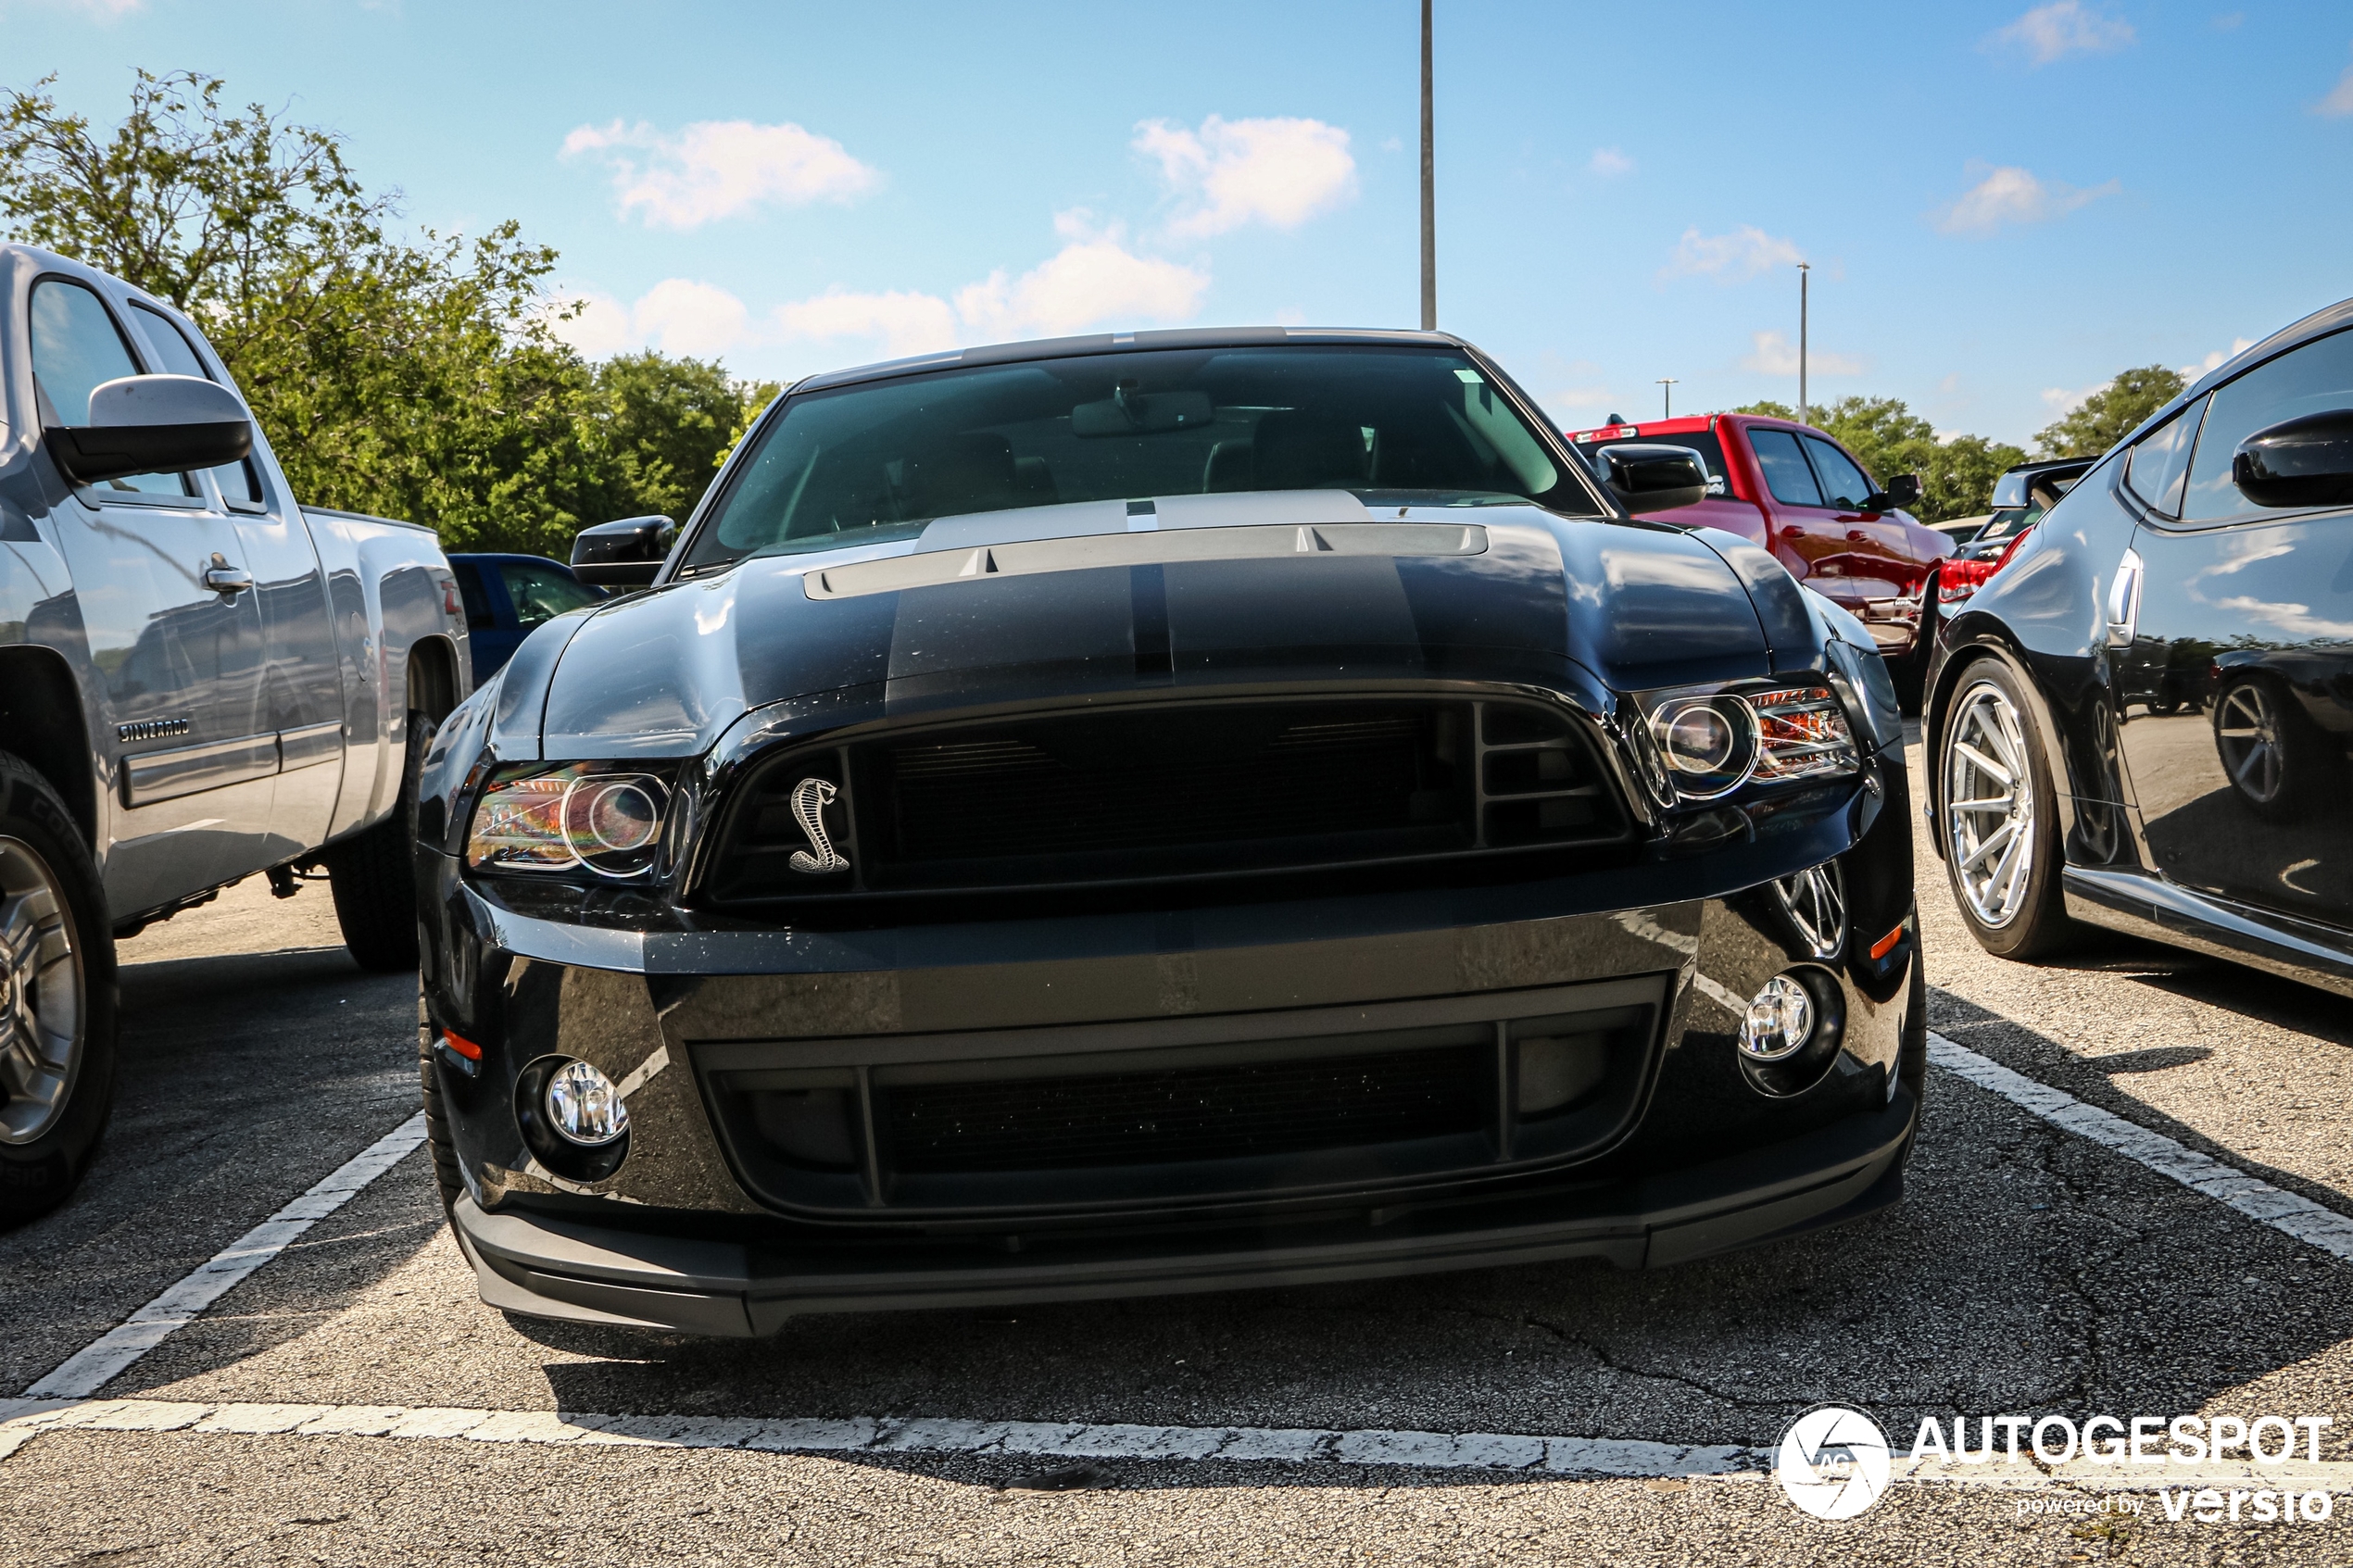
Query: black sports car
{"x":2142,"y":719}
{"x":1162,"y":813}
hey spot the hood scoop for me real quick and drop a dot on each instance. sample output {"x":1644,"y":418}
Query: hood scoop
{"x":1159,"y":547}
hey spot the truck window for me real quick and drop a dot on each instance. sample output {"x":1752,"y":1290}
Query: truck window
{"x":1844,"y":483}
{"x":238,"y":480}
{"x":1786,"y":474}
{"x":77,"y":348}
{"x":542,"y":594}
{"x":478,"y":616}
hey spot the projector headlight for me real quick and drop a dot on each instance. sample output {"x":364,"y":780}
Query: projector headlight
{"x":1710,"y":742}
{"x":567,"y":817}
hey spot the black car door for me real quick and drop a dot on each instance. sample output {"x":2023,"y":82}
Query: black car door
{"x":2235,"y":696}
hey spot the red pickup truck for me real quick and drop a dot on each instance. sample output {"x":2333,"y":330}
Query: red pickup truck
{"x":1805,"y":498}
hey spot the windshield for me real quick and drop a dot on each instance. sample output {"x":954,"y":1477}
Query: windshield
{"x":874,"y":462}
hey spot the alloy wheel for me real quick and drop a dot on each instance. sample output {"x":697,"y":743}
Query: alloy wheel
{"x":1815,"y":901}
{"x":42,"y":995}
{"x":1989,"y":811}
{"x":2247,"y":731}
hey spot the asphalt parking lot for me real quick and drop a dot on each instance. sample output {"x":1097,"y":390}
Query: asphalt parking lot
{"x":2035,"y":1266}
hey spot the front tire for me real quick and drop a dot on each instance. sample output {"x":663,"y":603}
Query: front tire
{"x":373,"y":874}
{"x":2000,"y":818}
{"x":58,"y":1013}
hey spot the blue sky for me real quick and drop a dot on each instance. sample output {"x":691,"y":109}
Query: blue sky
{"x":2003,"y":204}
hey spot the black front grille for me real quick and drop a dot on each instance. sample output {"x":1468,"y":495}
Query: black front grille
{"x":1166,"y":790}
{"x":1159,"y":1112}
{"x":1227,"y":1113}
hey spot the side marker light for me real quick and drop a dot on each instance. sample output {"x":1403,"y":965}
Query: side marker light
{"x":461,"y":1046}
{"x":1886,"y":944}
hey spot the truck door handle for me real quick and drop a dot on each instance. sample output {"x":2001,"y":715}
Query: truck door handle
{"x":222,"y":577}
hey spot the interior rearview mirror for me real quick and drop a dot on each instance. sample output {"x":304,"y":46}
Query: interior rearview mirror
{"x":1653,"y":479}
{"x":152,"y":424}
{"x":2306,"y":461}
{"x":1142,"y":413}
{"x":625,"y":554}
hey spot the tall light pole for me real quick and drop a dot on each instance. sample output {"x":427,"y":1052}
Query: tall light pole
{"x":1667,"y":391}
{"x":1804,"y":272}
{"x":1430,"y":192}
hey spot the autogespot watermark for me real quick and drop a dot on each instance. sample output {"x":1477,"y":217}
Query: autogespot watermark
{"x":1835,"y":1462}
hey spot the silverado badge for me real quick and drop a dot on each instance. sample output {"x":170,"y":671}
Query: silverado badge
{"x":810,"y":798}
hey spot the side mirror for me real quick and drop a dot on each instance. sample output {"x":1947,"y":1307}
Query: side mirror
{"x":1903,"y":491}
{"x":153,"y":424}
{"x":2306,"y":461}
{"x":625,"y":554}
{"x":1653,"y":479}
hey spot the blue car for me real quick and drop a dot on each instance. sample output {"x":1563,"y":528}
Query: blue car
{"x":508,"y":595}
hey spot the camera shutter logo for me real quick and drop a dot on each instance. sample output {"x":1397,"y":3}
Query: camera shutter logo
{"x":1833,"y":1463}
{"x":810,"y":798}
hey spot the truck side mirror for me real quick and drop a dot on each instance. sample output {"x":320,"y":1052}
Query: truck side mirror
{"x":152,"y":424}
{"x":2307,"y":462}
{"x":625,"y":554}
{"x":1654,"y":478}
{"x":1903,"y":493}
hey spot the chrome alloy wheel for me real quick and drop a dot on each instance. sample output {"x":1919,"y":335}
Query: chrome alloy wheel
{"x":1815,"y":901}
{"x":1989,"y":806}
{"x":2247,"y":731}
{"x":42,"y":996}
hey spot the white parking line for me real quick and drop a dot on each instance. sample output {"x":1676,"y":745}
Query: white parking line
{"x":2257,"y":1199}
{"x":21,"y":1420}
{"x":1586,"y":1458}
{"x":92,"y":1367}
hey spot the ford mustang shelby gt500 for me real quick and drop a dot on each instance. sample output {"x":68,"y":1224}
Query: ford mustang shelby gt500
{"x":1156,"y":812}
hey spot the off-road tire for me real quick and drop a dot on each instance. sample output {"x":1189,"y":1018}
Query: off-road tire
{"x":373,"y":874}
{"x":36,"y":1176}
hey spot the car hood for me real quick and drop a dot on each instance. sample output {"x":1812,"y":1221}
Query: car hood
{"x":1052,"y":602}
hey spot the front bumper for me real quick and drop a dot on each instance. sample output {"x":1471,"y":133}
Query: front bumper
{"x":689,"y":1232}
{"x":549,"y":1267}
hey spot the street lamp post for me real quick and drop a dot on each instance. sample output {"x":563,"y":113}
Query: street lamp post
{"x":1667,"y":391}
{"x":1430,"y":192}
{"x":1804,"y":272}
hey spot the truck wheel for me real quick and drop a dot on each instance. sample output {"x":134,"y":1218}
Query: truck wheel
{"x":1999,"y":817}
{"x":373,"y":874}
{"x":57,"y":998}
{"x":445,"y":1153}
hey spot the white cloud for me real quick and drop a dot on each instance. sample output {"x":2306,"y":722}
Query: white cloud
{"x":107,"y":10}
{"x":719,"y":168}
{"x":2059,"y":402}
{"x":1775,"y":355}
{"x":2010,"y":194}
{"x":1093,"y":280}
{"x":903,"y":321}
{"x":2215,"y":358}
{"x":2340,"y":99}
{"x":1732,"y":257}
{"x":1610,"y":162}
{"x":2065,"y":27}
{"x":677,"y":316}
{"x":1233,"y":171}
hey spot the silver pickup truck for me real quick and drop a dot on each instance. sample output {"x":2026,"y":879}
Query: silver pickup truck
{"x":200,"y":680}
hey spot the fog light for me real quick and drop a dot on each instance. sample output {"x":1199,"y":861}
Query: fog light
{"x":1779,"y":1021}
{"x":583,"y":1106}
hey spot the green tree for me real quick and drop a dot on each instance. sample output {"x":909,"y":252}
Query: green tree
{"x":412,"y":375}
{"x":2110,"y":414}
{"x":663,"y":426}
{"x":1957,"y":475}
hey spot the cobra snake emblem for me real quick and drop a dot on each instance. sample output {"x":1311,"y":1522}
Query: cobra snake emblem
{"x":810,"y":798}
